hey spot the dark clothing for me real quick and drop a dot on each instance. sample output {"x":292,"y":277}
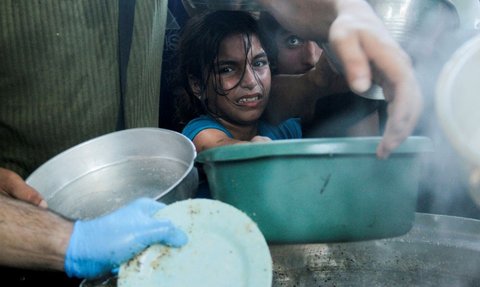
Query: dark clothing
{"x":59,"y":79}
{"x":59,"y":84}
{"x":336,"y":113}
{"x":27,"y":278}
{"x":177,"y":18}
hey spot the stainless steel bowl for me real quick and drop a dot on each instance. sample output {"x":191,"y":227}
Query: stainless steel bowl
{"x":405,"y":19}
{"x":105,"y":173}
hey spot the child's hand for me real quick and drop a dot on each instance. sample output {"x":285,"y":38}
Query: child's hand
{"x":260,"y":139}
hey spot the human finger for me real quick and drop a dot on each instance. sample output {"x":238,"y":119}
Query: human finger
{"x":394,"y":72}
{"x":261,"y":139}
{"x":352,"y":57}
{"x":14,"y":186}
{"x":374,"y":55}
{"x":174,"y":237}
{"x":403,"y":114}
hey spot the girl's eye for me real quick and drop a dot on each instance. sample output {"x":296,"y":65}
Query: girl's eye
{"x":294,"y":41}
{"x":260,"y":63}
{"x":225,"y":70}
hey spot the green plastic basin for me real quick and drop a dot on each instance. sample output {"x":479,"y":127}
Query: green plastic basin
{"x":319,"y":190}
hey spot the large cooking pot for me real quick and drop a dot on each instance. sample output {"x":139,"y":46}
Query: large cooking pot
{"x":438,"y":251}
{"x":102,"y":174}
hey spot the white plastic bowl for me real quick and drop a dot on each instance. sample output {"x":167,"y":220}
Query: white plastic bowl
{"x":457,"y":105}
{"x":458,"y":100}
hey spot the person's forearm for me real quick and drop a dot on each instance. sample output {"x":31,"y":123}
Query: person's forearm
{"x":201,"y":145}
{"x":31,"y":237}
{"x":295,"y":15}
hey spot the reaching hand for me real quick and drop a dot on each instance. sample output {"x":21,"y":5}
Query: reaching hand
{"x":11,"y":184}
{"x":100,"y":245}
{"x":366,"y":51}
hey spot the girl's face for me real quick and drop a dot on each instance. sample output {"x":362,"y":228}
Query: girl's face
{"x":295,"y":55}
{"x":244,"y":76}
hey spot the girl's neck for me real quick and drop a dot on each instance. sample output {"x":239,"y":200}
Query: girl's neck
{"x":240,"y":132}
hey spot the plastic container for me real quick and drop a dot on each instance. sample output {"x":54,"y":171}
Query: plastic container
{"x":319,"y":190}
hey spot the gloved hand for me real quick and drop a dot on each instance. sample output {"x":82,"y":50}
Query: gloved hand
{"x":100,"y":245}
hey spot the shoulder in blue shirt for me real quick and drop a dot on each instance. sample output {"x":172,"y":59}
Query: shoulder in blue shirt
{"x":289,"y":129}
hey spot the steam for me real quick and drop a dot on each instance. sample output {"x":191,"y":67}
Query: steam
{"x":444,"y":188}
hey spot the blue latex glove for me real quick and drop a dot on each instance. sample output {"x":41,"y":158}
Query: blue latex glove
{"x":100,"y":245}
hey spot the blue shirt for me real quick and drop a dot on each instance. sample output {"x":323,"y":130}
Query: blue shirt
{"x":289,"y":129}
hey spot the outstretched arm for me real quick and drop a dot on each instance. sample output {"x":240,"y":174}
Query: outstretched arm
{"x":210,"y":138}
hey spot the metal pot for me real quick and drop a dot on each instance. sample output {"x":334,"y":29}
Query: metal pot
{"x":105,"y":173}
{"x":438,"y":251}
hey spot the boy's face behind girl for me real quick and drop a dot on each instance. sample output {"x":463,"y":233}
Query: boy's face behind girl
{"x":295,"y":55}
{"x":245,"y":79}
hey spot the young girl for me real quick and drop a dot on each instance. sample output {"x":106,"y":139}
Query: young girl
{"x":225,"y":71}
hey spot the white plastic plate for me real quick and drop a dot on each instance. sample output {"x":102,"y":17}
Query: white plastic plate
{"x":225,"y":248}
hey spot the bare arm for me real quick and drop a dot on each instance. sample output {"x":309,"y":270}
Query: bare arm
{"x":367,"y":52}
{"x":210,"y":138}
{"x":31,"y":237}
{"x":310,"y":19}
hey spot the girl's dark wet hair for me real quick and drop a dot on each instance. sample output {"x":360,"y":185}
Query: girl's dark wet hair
{"x":199,"y":47}
{"x":270,"y":27}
